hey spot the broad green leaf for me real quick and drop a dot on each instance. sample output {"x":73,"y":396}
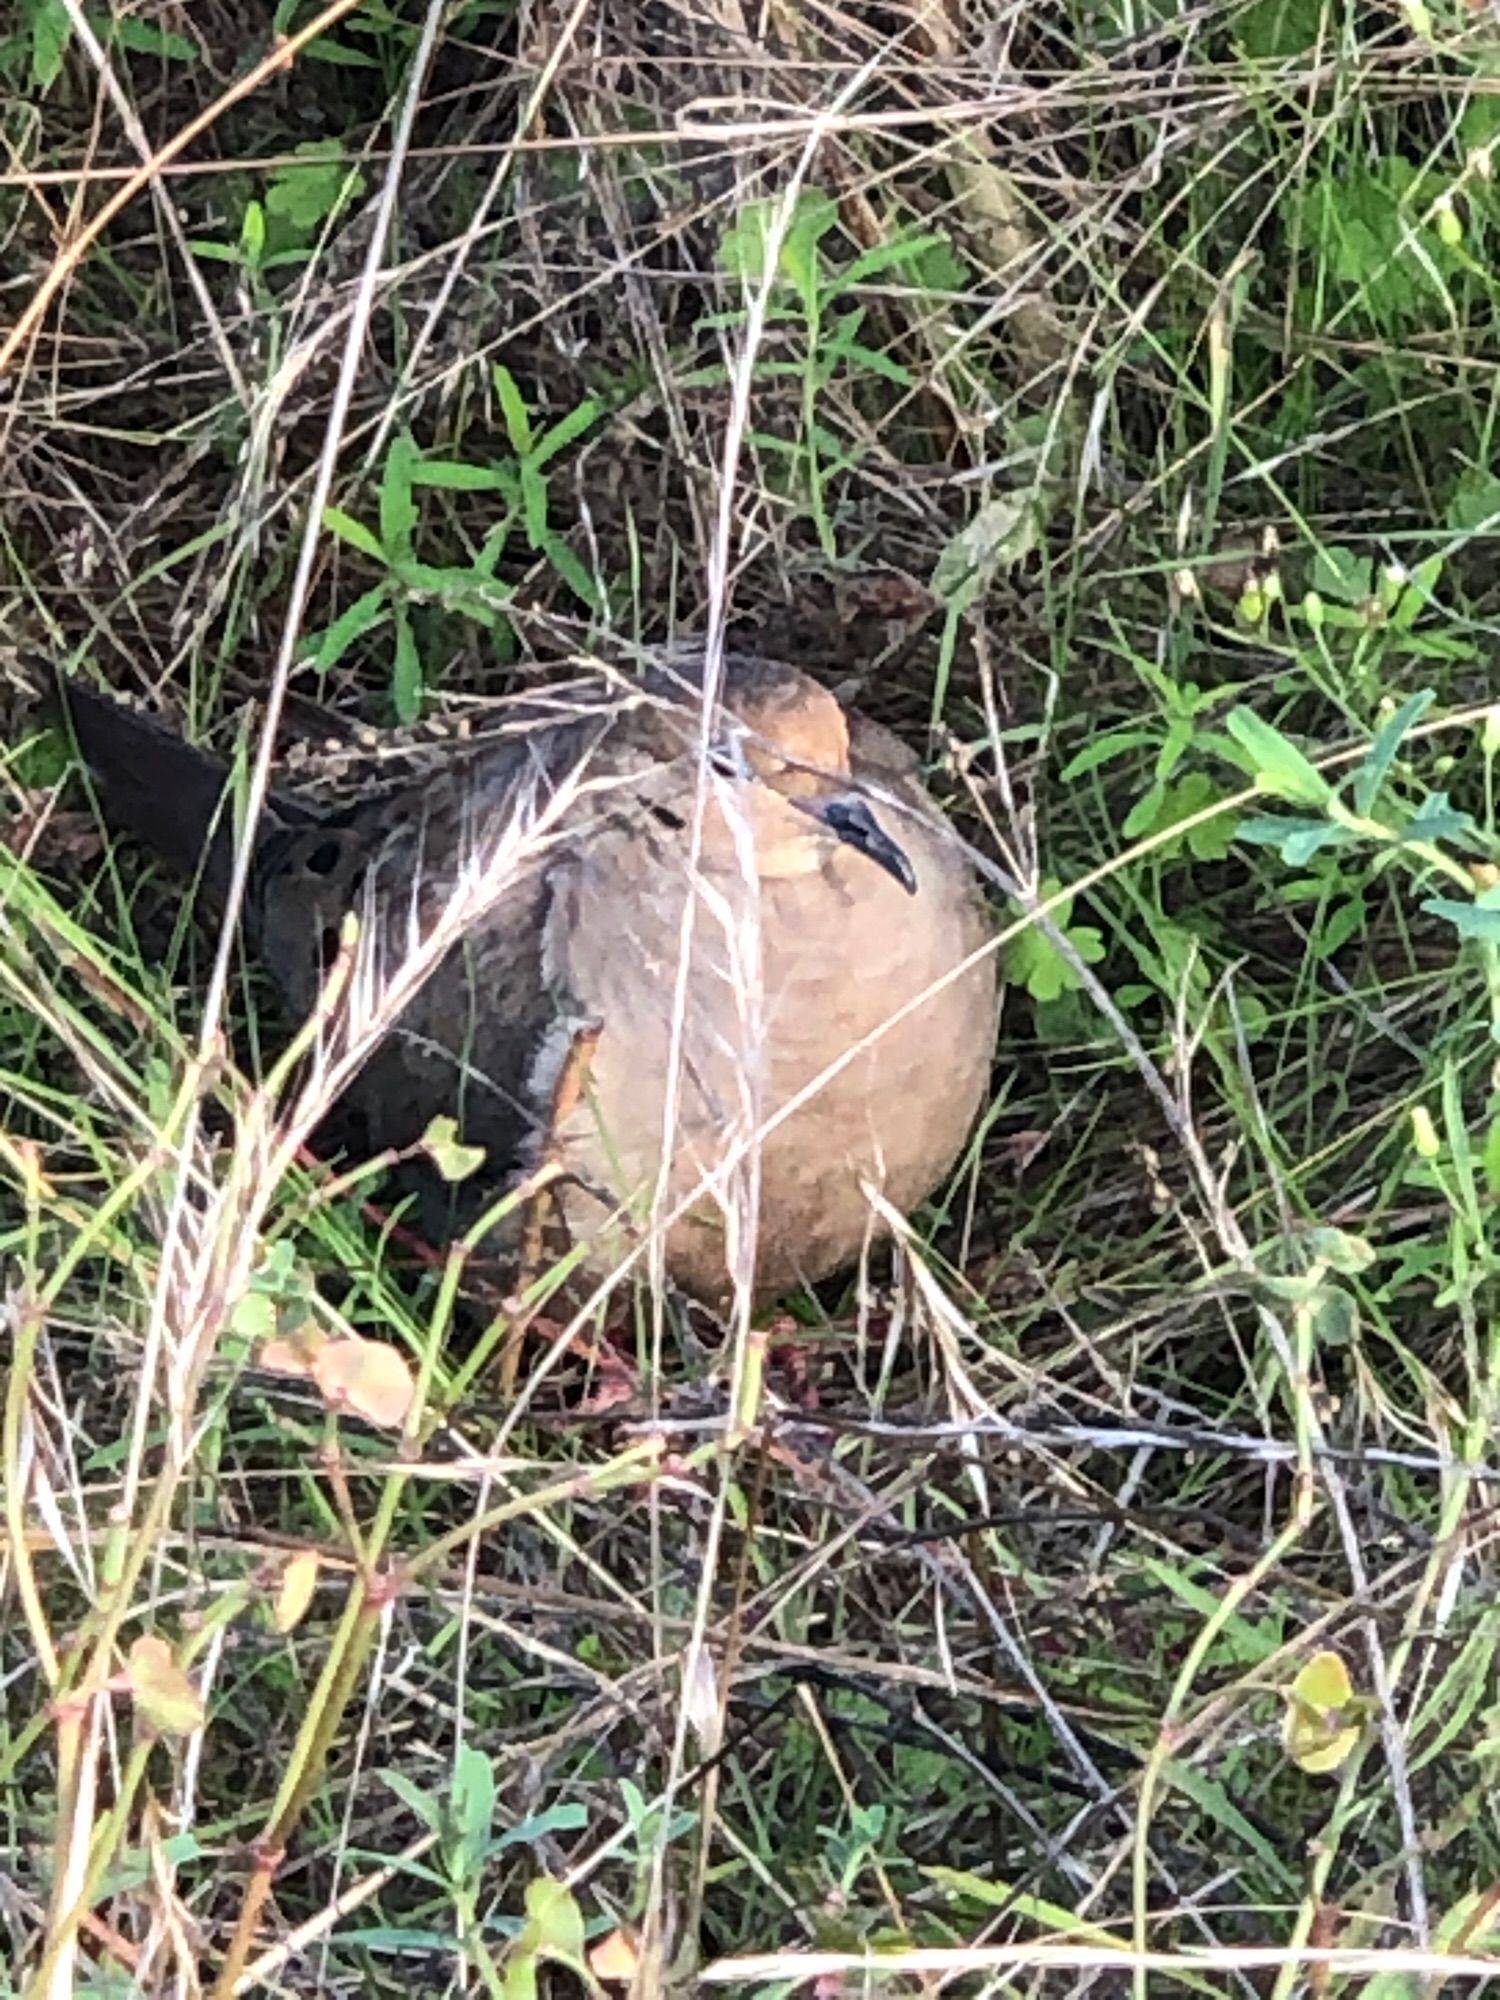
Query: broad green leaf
{"x":355,"y":533}
{"x":1267,"y":29}
{"x":1279,"y":766}
{"x":1434,"y":819}
{"x":1475,"y":501}
{"x":398,"y":509}
{"x":911,"y":250}
{"x":51,"y":31}
{"x":1343,"y":574}
{"x":455,"y":476}
{"x":146,"y":38}
{"x":362,"y":616}
{"x":473,"y":1810}
{"x":1372,"y":774}
{"x":1470,"y":920}
{"x":302,"y":197}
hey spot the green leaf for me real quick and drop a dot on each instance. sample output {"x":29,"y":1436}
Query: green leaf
{"x":538,"y":1826}
{"x":1279,"y":766}
{"x":324,"y":49}
{"x":1114,"y":743}
{"x":1141,"y":819}
{"x":1371,"y":775}
{"x":1032,"y":959}
{"x":554,"y":1918}
{"x":146,"y":38}
{"x":362,"y":616}
{"x":1417,"y":593}
{"x":406,"y":673}
{"x":1435,"y":819}
{"x":355,"y":533}
{"x":942,"y":269}
{"x":908,"y":250}
{"x":1475,"y":500}
{"x":1342,"y":922}
{"x":534,"y":503}
{"x":1347,"y":1254}
{"x":1343,"y":575}
{"x":51,"y":31}
{"x":1366,"y":224}
{"x":473,"y":1810}
{"x":513,"y":409}
{"x":1267,"y":29}
{"x":398,"y":510}
{"x":578,"y":579}
{"x":302,"y":197}
{"x":253,"y":233}
{"x":454,"y":476}
{"x":1470,"y":920}
{"x":744,"y":246}
{"x":814,"y":214}
{"x":565,"y":430}
{"x":1298,"y":839}
{"x":856,"y":355}
{"x":425,"y":1805}
{"x":453,"y":1160}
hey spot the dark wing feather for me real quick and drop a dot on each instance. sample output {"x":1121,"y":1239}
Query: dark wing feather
{"x":151,"y":785}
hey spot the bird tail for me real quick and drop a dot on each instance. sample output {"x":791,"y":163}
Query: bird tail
{"x":150,"y":785}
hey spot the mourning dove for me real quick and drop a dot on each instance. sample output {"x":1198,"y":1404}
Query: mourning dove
{"x":779,"y":937}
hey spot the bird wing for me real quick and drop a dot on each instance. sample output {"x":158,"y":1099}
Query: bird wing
{"x":151,"y":785}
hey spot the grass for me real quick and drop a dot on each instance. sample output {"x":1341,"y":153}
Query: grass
{"x":1105,"y":394}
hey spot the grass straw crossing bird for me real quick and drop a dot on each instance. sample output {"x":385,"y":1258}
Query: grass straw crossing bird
{"x":765,"y":928}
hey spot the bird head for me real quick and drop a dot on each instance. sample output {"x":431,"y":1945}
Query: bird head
{"x":780,"y":756}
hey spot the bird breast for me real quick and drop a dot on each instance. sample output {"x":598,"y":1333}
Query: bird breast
{"x":821,"y":1029}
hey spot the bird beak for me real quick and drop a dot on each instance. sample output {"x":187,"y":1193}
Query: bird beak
{"x":849,"y":819}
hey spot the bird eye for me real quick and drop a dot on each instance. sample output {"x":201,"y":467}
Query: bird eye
{"x":324,"y":858}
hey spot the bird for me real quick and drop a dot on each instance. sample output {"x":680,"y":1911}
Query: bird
{"x":750,"y":912}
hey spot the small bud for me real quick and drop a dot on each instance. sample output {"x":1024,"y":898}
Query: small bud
{"x":1424,"y":1133}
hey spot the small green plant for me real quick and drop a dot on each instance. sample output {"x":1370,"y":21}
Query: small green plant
{"x":32,"y":53}
{"x":809,"y":290}
{"x":468,"y":590}
{"x":463,"y":1821}
{"x":1035,"y":962}
{"x":280,"y":226}
{"x":1379,"y":819}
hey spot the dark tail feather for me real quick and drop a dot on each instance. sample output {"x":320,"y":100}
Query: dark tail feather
{"x":150,"y":784}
